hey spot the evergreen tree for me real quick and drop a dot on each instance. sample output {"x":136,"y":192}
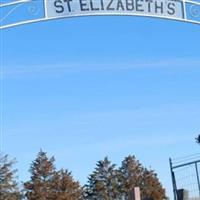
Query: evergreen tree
{"x":48,"y":184}
{"x":8,"y":184}
{"x":152,"y":188}
{"x":42,"y":171}
{"x":64,"y":187}
{"x":103,"y":182}
{"x":131,"y":173}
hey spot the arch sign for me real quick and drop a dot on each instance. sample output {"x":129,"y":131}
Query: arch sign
{"x":14,"y":13}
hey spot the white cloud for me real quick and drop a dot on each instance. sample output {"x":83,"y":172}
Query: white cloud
{"x":58,"y":69}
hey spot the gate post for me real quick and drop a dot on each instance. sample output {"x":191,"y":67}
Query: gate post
{"x":173,"y":179}
{"x":135,"y":194}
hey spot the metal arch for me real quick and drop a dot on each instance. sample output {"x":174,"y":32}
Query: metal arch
{"x":13,"y":3}
{"x":53,"y":18}
{"x":45,"y":18}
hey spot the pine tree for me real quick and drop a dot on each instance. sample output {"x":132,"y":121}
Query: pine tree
{"x":48,"y":184}
{"x":42,"y":171}
{"x":103,"y":182}
{"x":131,"y":173}
{"x":64,"y":187}
{"x":8,"y":184}
{"x":152,"y":188}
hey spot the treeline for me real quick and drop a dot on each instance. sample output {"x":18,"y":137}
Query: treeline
{"x":106,"y":182}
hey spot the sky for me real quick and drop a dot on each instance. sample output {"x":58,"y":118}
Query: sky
{"x":89,"y":87}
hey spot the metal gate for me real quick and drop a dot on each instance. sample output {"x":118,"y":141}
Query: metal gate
{"x":186,"y":177}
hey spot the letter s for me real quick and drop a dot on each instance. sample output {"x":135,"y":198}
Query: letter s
{"x":59,"y":6}
{"x":171,"y":7}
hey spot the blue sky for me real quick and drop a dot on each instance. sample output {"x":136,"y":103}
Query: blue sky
{"x":85,"y":88}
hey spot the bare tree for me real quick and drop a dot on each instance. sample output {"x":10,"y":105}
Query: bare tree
{"x":198,"y":139}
